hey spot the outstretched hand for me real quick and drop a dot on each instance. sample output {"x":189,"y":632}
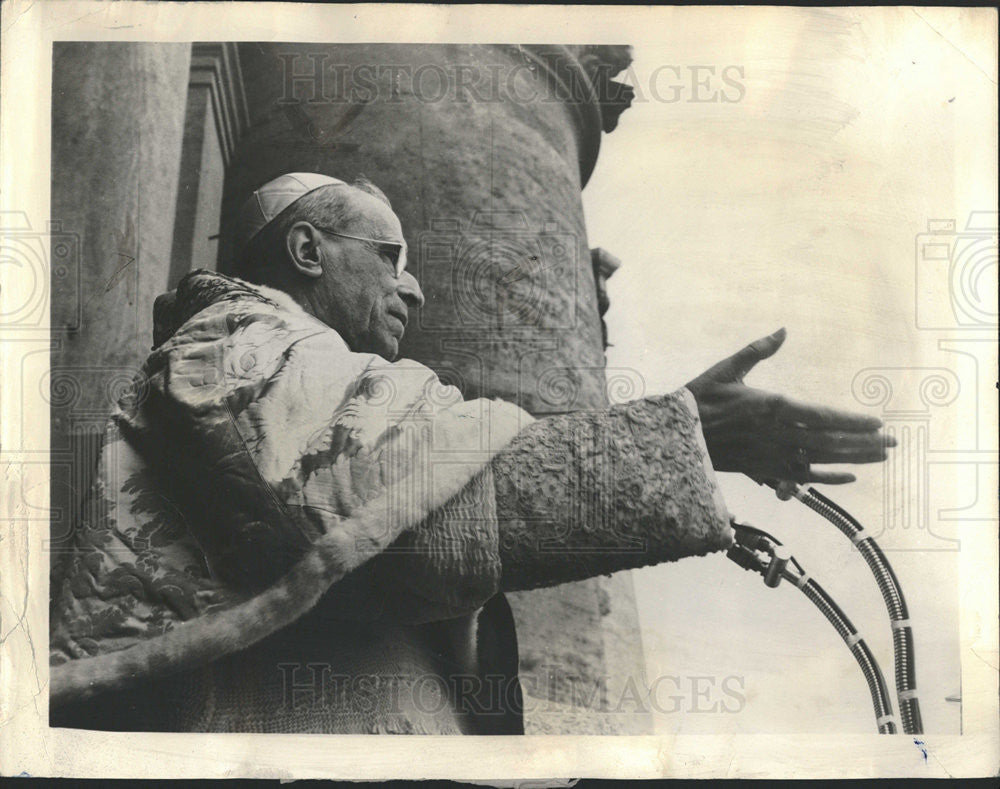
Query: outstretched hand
{"x":770,"y":437}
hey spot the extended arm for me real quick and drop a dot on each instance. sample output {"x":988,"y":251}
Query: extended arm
{"x":590,"y":493}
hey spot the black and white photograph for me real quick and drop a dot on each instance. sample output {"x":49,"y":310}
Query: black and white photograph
{"x":623,"y":374}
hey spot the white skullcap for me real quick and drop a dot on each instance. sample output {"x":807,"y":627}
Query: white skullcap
{"x":273,"y":198}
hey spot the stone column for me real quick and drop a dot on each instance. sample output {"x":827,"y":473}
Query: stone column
{"x":117,"y":121}
{"x":483,"y":152}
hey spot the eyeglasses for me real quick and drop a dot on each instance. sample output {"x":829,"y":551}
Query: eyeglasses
{"x":393,"y":250}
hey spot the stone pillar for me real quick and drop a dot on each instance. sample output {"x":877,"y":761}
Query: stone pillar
{"x":483,"y":152}
{"x":117,"y":121}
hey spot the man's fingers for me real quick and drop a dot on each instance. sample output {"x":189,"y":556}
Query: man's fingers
{"x":817,"y":416}
{"x":743,"y":361}
{"x":842,"y":440}
{"x":876,"y":455}
{"x":821,"y":477}
{"x":831,"y":477}
{"x":807,"y":475}
{"x":830,"y":446}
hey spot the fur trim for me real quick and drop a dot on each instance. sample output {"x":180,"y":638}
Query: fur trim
{"x":213,"y":636}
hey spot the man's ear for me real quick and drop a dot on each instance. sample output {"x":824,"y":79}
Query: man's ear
{"x":302,"y":241}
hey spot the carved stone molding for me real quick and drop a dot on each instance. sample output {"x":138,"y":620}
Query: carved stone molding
{"x":217,"y":67}
{"x":582,"y":78}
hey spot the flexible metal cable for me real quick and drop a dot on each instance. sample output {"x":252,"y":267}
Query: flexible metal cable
{"x":862,"y":654}
{"x":888,"y":585}
{"x":750,"y":540}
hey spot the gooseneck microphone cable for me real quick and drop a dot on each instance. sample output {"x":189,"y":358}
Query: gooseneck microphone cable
{"x":757,"y":550}
{"x":888,"y":585}
{"x":892,"y":594}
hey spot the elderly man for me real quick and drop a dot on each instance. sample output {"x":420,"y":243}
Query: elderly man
{"x":291,"y":531}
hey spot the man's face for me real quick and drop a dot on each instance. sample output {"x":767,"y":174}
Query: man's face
{"x":359,"y":294}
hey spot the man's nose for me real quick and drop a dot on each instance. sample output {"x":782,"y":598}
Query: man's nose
{"x":409,"y":290}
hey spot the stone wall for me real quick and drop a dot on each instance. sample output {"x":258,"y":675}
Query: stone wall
{"x":117,"y":124}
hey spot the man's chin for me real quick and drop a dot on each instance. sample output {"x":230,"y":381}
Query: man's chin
{"x":389,"y":348}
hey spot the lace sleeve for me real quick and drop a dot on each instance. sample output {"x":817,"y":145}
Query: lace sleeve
{"x":590,"y":493}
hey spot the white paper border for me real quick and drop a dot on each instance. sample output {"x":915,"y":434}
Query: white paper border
{"x":28,"y":746}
